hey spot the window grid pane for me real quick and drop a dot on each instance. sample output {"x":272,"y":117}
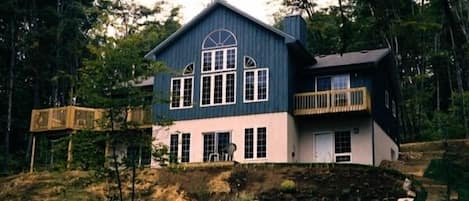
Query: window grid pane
{"x":206,"y":81}
{"x":209,"y":145}
{"x":218,"y":93}
{"x":223,"y":140}
{"x":261,"y":142}
{"x":173,"y":148}
{"x":249,"y":86}
{"x":187,"y":92}
{"x":231,"y":58}
{"x":342,"y":142}
{"x":230,"y":88}
{"x":262,"y":85}
{"x":249,"y":143}
{"x":176,"y":93}
{"x":219,"y":60}
{"x":207,"y":61}
{"x":186,"y":141}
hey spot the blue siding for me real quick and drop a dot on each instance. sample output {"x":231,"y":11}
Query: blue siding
{"x":268,"y":49}
{"x":295,"y":25}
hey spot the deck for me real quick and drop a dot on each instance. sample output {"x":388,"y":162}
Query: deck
{"x":332,"y":101}
{"x":80,"y":118}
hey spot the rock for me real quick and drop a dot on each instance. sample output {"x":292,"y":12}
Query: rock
{"x":405,"y":199}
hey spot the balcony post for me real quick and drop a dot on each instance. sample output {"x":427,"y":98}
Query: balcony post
{"x":69,"y":150}
{"x":33,"y":151}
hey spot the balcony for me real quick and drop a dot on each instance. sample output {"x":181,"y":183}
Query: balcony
{"x":332,"y":101}
{"x":80,"y":118}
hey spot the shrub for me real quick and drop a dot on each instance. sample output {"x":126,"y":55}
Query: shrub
{"x":288,"y":186}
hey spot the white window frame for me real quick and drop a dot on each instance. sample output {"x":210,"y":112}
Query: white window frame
{"x":343,"y":154}
{"x":181,"y":89}
{"x":225,"y":61}
{"x":254,"y":143}
{"x":212,"y":89}
{"x":256,"y":85}
{"x":249,"y":67}
{"x":386,"y":98}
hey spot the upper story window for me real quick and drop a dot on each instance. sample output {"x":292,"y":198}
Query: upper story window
{"x":331,"y":82}
{"x":219,"y":51}
{"x":249,"y":62}
{"x":218,"y":67}
{"x":256,"y":81}
{"x":182,"y":89}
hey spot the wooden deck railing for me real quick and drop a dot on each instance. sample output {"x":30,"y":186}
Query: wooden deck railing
{"x":332,"y":101}
{"x":79,"y":118}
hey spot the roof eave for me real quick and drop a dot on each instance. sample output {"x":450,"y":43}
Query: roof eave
{"x":200,"y":16}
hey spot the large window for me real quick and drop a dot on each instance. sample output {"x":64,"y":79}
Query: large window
{"x":255,"y":141}
{"x":215,"y":145}
{"x":181,"y":92}
{"x":186,"y":143}
{"x":343,"y":146}
{"x":218,"y":80}
{"x":182,"y":89}
{"x":218,"y":89}
{"x":218,"y":60}
{"x":173,"y":148}
{"x":256,"y":85}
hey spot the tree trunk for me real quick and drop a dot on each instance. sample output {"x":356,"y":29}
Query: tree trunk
{"x":10,"y":89}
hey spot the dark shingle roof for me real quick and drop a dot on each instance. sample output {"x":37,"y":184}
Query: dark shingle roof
{"x":350,"y":58}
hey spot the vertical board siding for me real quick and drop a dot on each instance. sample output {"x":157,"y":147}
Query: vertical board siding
{"x":268,"y":49}
{"x":296,"y":27}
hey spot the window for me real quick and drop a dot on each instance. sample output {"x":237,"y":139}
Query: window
{"x":218,"y":89}
{"x":218,"y":80}
{"x":173,"y":148}
{"x":249,"y":62}
{"x":343,"y":146}
{"x":256,"y":137}
{"x":218,"y":60}
{"x":186,"y":142}
{"x":215,"y":144}
{"x":256,"y":85}
{"x":261,"y":142}
{"x":249,"y":143}
{"x":386,"y":98}
{"x":189,"y":69}
{"x":181,"y":92}
{"x":394,"y":108}
{"x":219,"y":38}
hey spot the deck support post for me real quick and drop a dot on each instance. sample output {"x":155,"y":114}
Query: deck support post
{"x":33,"y":151}
{"x":69,"y":151}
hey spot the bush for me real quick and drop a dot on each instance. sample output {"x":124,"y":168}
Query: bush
{"x":288,"y":186}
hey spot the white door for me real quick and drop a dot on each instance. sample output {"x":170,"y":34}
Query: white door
{"x":323,"y":147}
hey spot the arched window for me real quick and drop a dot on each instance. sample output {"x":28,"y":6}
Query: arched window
{"x":218,"y":67}
{"x":218,"y":39}
{"x":249,"y":62}
{"x":189,"y":69}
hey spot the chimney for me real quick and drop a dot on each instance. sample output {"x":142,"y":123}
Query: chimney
{"x":295,"y":26}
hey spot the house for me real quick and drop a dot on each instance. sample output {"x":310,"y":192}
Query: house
{"x":237,"y":80}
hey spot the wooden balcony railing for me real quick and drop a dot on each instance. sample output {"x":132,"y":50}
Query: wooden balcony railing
{"x":332,"y":101}
{"x":79,"y":118}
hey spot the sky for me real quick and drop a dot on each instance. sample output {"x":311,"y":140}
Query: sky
{"x":256,"y":8}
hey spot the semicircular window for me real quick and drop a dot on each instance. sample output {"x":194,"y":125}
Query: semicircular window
{"x":249,"y":62}
{"x":219,"y":38}
{"x":189,"y":69}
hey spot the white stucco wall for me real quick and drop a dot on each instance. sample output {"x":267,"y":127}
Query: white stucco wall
{"x":361,"y":142}
{"x":277,"y":124}
{"x":383,"y":145}
{"x":292,"y":140}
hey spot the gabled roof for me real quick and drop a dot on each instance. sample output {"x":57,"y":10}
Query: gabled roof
{"x":350,"y":58}
{"x":207,"y":11}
